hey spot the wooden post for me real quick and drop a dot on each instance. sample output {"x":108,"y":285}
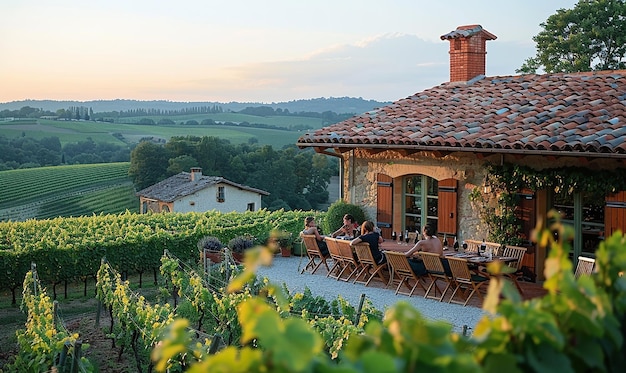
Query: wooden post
{"x":215,"y":343}
{"x":78,"y":347}
{"x":358,"y":311}
{"x":63,"y":355}
{"x":55,"y":310}
{"x":98,"y":311}
{"x":33,"y":268}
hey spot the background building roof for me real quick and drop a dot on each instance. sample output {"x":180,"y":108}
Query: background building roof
{"x":182,"y":185}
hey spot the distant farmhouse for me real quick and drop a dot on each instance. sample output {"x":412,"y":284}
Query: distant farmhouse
{"x":193,"y":192}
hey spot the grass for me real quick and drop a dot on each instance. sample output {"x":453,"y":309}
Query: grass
{"x":75,"y":131}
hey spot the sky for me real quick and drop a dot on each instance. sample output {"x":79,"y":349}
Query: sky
{"x":249,"y":50}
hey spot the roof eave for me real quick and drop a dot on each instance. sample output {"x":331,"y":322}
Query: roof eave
{"x":339,"y":149}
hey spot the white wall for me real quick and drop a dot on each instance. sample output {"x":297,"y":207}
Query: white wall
{"x":235,"y":199}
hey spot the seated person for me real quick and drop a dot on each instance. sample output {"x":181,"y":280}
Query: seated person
{"x":348,"y":228}
{"x":431,"y":244}
{"x":310,"y":228}
{"x":373,"y":239}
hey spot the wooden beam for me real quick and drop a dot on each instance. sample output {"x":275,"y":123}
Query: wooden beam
{"x":407,"y":152}
{"x":375,"y":151}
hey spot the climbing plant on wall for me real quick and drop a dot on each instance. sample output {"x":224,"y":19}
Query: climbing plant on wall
{"x":496,"y":200}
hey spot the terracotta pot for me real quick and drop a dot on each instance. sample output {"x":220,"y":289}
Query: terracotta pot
{"x":284,"y":251}
{"x":238,"y":257}
{"x":214,"y":256}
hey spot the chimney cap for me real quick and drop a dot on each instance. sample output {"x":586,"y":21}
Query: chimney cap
{"x":468,"y":31}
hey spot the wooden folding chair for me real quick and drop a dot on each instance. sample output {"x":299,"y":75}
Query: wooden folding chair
{"x":472,"y":246}
{"x":369,"y":267}
{"x":313,"y":252}
{"x":351,"y":266}
{"x":518,"y":253}
{"x":401,"y":269}
{"x":585,"y":266}
{"x":335,"y":254}
{"x":466,"y":284}
{"x":436,"y":272}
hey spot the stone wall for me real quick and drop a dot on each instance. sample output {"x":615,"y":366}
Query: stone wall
{"x":361,"y":168}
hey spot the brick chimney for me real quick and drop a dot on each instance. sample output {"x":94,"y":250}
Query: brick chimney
{"x":467,"y":52}
{"x":196,"y":173}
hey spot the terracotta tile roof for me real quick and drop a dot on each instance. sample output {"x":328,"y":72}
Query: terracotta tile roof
{"x":181,"y":185}
{"x":529,"y":114}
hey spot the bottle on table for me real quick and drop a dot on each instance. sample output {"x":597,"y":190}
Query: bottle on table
{"x":393,"y":236}
{"x":483,"y":247}
{"x":456,"y":244}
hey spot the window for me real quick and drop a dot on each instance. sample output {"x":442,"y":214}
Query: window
{"x":250,"y":207}
{"x":220,"y":194}
{"x":586,"y":216}
{"x":420,"y":202}
{"x":165,"y":208}
{"x":144,"y":207}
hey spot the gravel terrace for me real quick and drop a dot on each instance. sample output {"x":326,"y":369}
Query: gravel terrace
{"x":287,"y":270}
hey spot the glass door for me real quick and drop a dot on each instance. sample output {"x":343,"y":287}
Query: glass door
{"x":420,"y":202}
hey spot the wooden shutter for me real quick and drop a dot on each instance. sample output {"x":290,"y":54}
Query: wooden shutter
{"x":525,"y":211}
{"x":447,"y":207}
{"x":615,"y":214}
{"x":384,"y":203}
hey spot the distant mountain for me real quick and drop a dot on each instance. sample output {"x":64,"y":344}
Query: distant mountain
{"x":339,"y":105}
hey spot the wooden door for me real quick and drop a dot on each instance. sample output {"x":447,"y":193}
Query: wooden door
{"x":384,"y":203}
{"x":447,"y":207}
{"x":615,"y":214}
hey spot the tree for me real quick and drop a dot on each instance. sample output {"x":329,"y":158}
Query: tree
{"x":180,"y":164}
{"x":591,"y":36}
{"x":148,"y":164}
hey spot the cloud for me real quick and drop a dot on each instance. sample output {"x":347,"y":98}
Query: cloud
{"x":385,"y":68}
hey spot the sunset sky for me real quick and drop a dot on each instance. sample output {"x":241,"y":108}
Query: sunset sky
{"x":249,"y":51}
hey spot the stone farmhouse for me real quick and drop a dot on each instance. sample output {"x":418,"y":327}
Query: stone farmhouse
{"x":194,"y":192}
{"x":420,"y":159}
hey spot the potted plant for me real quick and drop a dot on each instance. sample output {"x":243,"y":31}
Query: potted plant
{"x":285,"y":243}
{"x":239,"y":245}
{"x":211,"y":248}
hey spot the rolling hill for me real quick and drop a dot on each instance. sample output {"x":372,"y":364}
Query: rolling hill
{"x":76,"y":190}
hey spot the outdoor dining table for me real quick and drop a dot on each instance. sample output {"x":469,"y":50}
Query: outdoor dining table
{"x":389,"y":245}
{"x":476,"y":258}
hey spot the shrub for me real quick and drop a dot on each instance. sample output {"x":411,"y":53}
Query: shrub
{"x":336,"y":211}
{"x":210,"y":243}
{"x":240,"y":244}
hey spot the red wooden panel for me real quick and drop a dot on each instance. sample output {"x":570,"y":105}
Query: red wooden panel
{"x":384,"y":204}
{"x":447,"y":207}
{"x":526,"y":212}
{"x":615,"y":213}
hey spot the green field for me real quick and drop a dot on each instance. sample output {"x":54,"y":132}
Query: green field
{"x":75,"y":131}
{"x":76,"y":190}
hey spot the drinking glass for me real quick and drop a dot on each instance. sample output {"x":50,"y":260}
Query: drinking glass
{"x":400,"y":238}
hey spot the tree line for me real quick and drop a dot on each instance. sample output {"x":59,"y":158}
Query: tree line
{"x":295,"y":179}
{"x":28,"y":152}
